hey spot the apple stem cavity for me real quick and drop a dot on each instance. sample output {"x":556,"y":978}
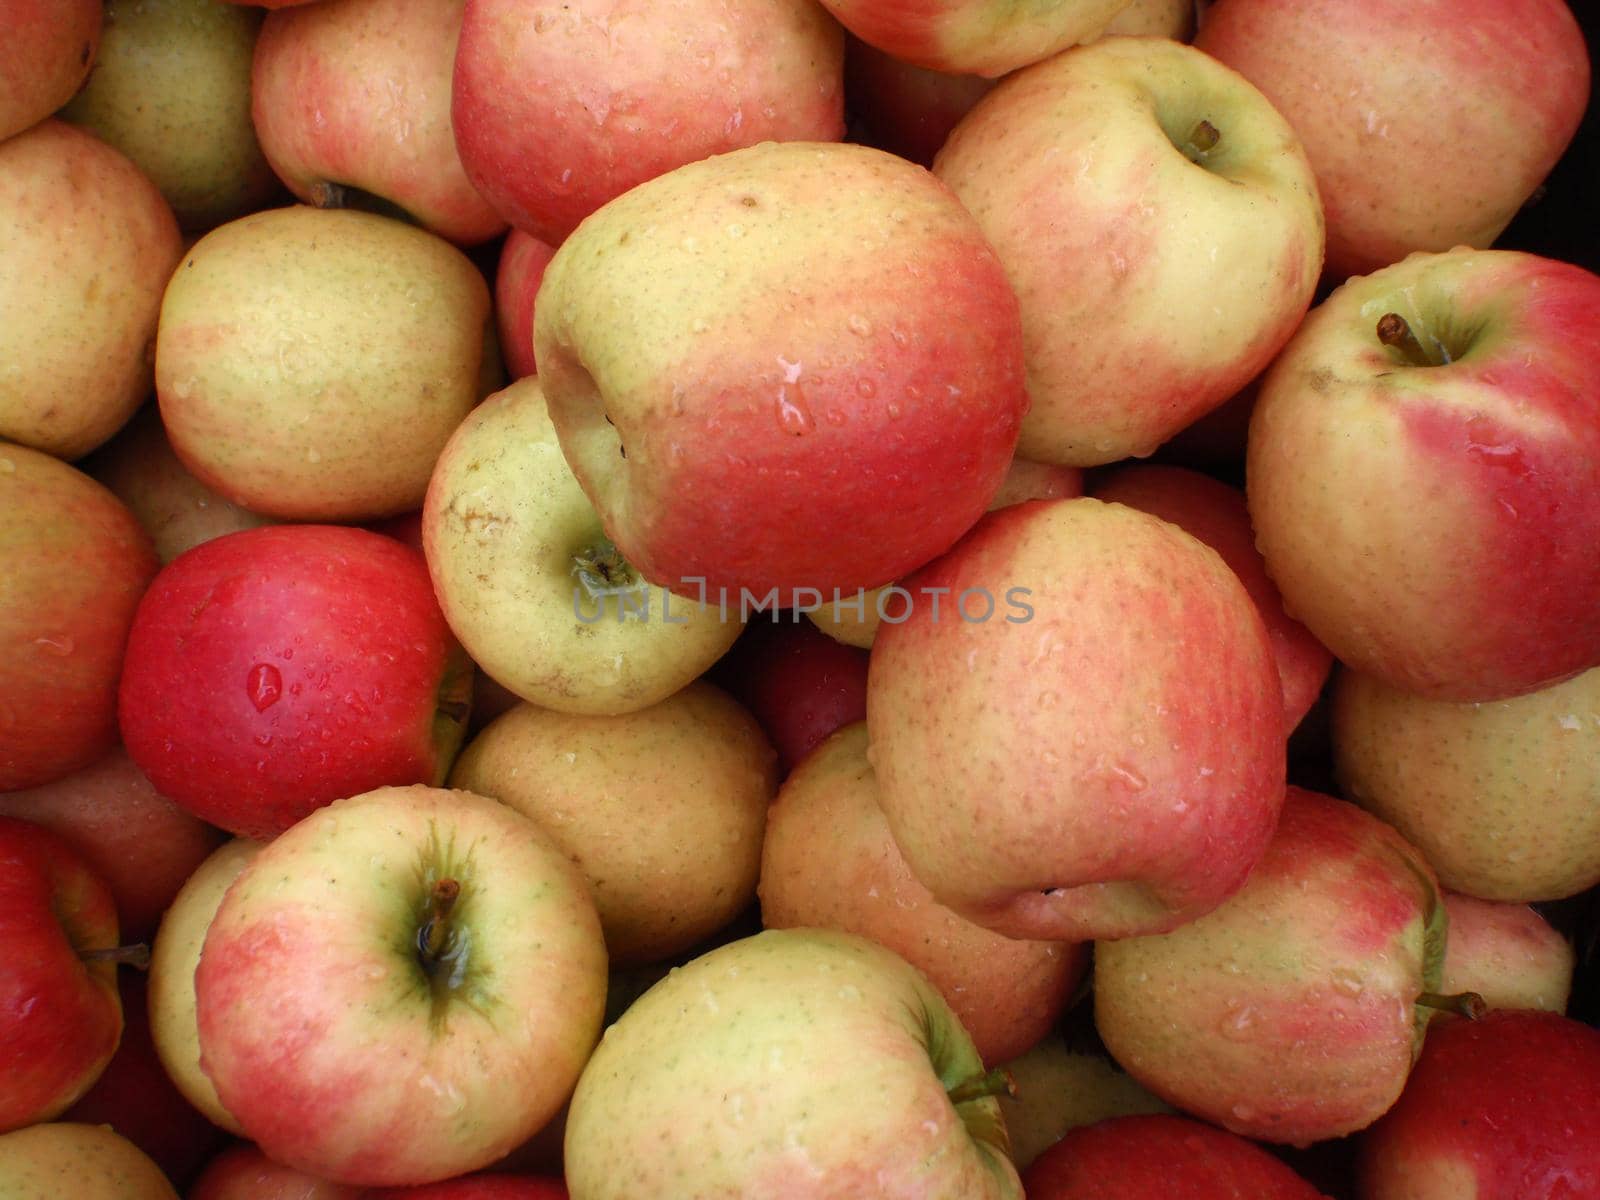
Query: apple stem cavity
{"x":998,"y":1082}
{"x":1203,"y":139}
{"x":1464,"y":1004}
{"x":1395,"y":332}
{"x":433,"y":939}
{"x":603,"y":571}
{"x":136,"y":955}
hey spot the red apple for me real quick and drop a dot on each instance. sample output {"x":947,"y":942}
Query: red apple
{"x":523,"y":259}
{"x":905,"y":109}
{"x":485,"y":1186}
{"x":48,"y":48}
{"x":273,"y":670}
{"x":243,"y":1172}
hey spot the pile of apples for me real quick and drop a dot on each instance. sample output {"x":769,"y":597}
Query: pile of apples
{"x":580,"y":613}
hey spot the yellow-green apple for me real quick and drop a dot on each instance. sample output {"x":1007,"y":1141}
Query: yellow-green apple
{"x":311,"y":363}
{"x":1499,"y":795}
{"x":661,"y":809}
{"x":1292,"y":1012}
{"x":1469,"y":376}
{"x":271,"y":671}
{"x":48,"y":49}
{"x":1217,"y":514}
{"x":1154,"y":18}
{"x":1161,"y":226}
{"x":829,"y":862}
{"x":140,"y":843}
{"x":1059,"y":1089}
{"x":95,"y":242}
{"x":401,"y":988}
{"x":1505,"y":1108}
{"x":176,"y":509}
{"x":85,"y":1162}
{"x":974,"y":37}
{"x":242,"y":1172}
{"x":517,"y":277}
{"x":1399,"y":105}
{"x":794,"y":427}
{"x":60,"y":1017}
{"x":530,"y":583}
{"x":355,"y":94}
{"x":76,"y":565}
{"x":854,"y":620}
{"x":1160,"y":1157}
{"x":171,"y":90}
{"x":1078,"y":733}
{"x":174,"y":955}
{"x":726,"y":1079}
{"x":559,"y":109}
{"x":1506,"y":953}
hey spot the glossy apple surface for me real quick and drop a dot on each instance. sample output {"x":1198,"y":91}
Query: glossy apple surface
{"x":1506,"y":953}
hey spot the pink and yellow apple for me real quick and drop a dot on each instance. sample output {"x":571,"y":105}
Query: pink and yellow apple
{"x":48,"y":49}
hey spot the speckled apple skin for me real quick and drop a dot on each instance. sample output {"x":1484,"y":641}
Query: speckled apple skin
{"x":94,"y":242}
{"x":1506,"y":953}
{"x":1500,"y":795}
{"x":311,"y":363}
{"x":1108,"y":766}
{"x":321,"y":1032}
{"x":725,"y":1079}
{"x":86,"y":1162}
{"x":766,"y":387}
{"x":829,"y":862}
{"x":1399,"y":105}
{"x":1435,"y":525}
{"x":1287,"y":1014}
{"x":50,"y":45}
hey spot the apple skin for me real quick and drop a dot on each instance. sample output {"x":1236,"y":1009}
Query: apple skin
{"x":724,"y":1079}
{"x":1109,"y":232}
{"x":1160,"y":1157}
{"x":845,"y":427}
{"x":1398,"y":104}
{"x":1476,"y":587}
{"x":327,"y":1036}
{"x":86,"y":1162}
{"x":1499,"y":795}
{"x":557,"y":112}
{"x":357,"y":93}
{"x":271,"y":671}
{"x":1501,"y":1108}
{"x":1023,"y":797}
{"x":523,"y":259}
{"x":829,"y":862}
{"x":1060,"y":1089}
{"x":97,"y":243}
{"x":242,"y":1172}
{"x":60,"y":1016}
{"x":1506,"y":953}
{"x":1288,"y":1013}
{"x":1217,"y":514}
{"x":77,"y":563}
{"x":140,"y":843}
{"x":905,"y":109}
{"x":49,"y":47}
{"x":477,"y":1187}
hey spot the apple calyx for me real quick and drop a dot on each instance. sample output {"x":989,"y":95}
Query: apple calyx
{"x":434,"y":942}
{"x":1202,"y":140}
{"x":997,"y":1082}
{"x":137,"y":956}
{"x":1395,"y":332}
{"x":1463,"y":1004}
{"x":603,"y":571}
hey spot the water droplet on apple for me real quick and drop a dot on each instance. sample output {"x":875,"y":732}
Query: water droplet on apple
{"x":1243,"y":1112}
{"x":1237,"y":1024}
{"x":1048,"y":700}
{"x":893,"y":410}
{"x":1348,"y":982}
{"x":793,"y":416}
{"x":264,"y":686}
{"x":7,"y":467}
{"x":859,"y":325}
{"x":1570,"y":722}
{"x":313,"y":456}
{"x":58,"y":644}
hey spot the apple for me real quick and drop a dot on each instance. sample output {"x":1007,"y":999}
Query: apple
{"x":533,"y":587}
{"x":1506,"y":953}
{"x":271,"y":671}
{"x":1078,"y":731}
{"x":1217,"y":514}
{"x":902,"y":108}
{"x":1400,"y":105}
{"x":482,"y":1186}
{"x":401,"y":988}
{"x":1424,"y":473}
{"x":829,"y":862}
{"x":49,"y":48}
{"x":60,"y":1017}
{"x":662,"y":809}
{"x":1173,"y":19}
{"x":242,"y":1172}
{"x":86,"y":1162}
{"x":1159,"y":1157}
{"x":140,"y":843}
{"x":1500,"y":795}
{"x":76,"y":565}
{"x":311,"y":363}
{"x":797,"y":1062}
{"x":1161,"y":226}
{"x":1291,"y":1013}
{"x":355,"y":94}
{"x":1498,"y":1109}
{"x":1058,"y":1089}
{"x":558,"y":110}
{"x":789,"y":430}
{"x":974,"y":37}
{"x":96,"y":243}
{"x":171,"y":90}
{"x":518,"y":275}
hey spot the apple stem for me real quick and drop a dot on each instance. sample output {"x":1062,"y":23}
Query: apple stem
{"x":1203,"y":139}
{"x":997,"y":1082}
{"x":602,"y":570}
{"x":136,"y":955}
{"x":1464,"y":1004}
{"x":1396,"y":332}
{"x":434,"y":936}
